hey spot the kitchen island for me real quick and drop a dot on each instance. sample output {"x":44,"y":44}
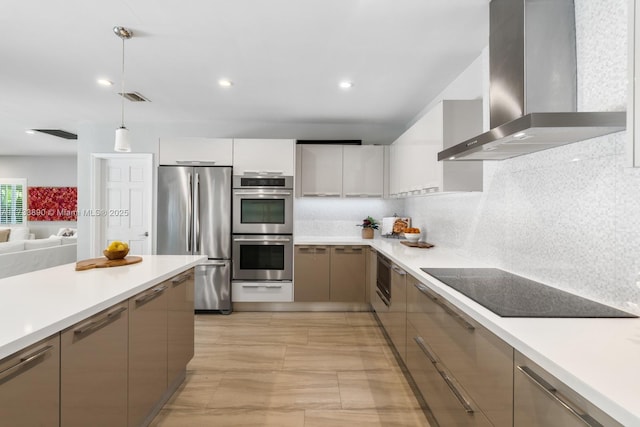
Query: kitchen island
{"x":597,"y":358}
{"x":108,"y":344}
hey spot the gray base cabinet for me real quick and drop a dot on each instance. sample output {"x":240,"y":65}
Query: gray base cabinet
{"x":396,"y":317}
{"x":542,"y":400}
{"x":312,"y":273}
{"x":180,"y":324}
{"x":463,"y":370}
{"x":330,"y":274}
{"x":348,"y":265}
{"x":30,"y":385}
{"x":147,"y":351}
{"x":93,"y":370}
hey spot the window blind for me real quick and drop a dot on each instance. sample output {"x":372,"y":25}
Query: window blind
{"x":12,"y":202}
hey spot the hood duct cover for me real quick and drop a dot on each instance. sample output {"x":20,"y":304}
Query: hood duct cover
{"x":533,"y":84}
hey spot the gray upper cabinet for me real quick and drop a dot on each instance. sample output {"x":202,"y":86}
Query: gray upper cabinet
{"x":340,"y":171}
{"x":362,"y":170}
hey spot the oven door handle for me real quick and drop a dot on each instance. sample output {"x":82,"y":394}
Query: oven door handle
{"x":246,"y":239}
{"x":262,"y":193}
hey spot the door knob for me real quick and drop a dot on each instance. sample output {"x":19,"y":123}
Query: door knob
{"x":146,"y":234}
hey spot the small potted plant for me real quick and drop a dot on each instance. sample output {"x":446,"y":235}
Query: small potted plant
{"x":368,"y":225}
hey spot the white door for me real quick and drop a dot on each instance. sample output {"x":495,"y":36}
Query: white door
{"x":126,"y":213}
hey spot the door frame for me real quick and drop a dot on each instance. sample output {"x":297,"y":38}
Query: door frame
{"x":96,"y":186}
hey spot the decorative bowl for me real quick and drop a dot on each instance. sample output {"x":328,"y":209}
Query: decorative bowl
{"x":412,"y":237}
{"x":116,"y":254}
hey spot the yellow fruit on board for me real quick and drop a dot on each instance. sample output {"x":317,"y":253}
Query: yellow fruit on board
{"x":117,"y":245}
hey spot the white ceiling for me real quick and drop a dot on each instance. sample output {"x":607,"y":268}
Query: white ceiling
{"x":285,"y":58}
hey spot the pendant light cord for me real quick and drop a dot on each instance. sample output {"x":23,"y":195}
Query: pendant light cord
{"x":122,"y":80}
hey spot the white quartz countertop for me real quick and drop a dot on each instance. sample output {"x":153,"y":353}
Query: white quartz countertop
{"x":598,"y":358}
{"x":36,"y":305}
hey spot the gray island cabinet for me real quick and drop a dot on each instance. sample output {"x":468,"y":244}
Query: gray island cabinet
{"x":116,"y":367}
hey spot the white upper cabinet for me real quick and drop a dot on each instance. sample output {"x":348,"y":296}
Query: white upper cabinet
{"x":264,"y":156}
{"x":320,"y":170}
{"x":181,"y":151}
{"x":362,"y":170}
{"x":414,"y":166}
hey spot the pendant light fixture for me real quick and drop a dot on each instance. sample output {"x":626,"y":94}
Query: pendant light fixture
{"x":122,"y":133}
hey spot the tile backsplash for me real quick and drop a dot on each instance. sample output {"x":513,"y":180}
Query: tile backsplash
{"x":568,"y":217}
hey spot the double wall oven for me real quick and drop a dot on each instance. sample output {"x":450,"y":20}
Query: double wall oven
{"x":262,"y":229}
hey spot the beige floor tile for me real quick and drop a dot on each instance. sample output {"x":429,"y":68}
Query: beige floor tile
{"x":277,"y":390}
{"x":254,"y":335}
{"x":236,"y":418}
{"x":238,"y":357}
{"x":336,"y":358}
{"x":376,"y":390}
{"x":235,"y":319}
{"x":309,"y":319}
{"x":361,"y":319}
{"x":365,"y":418}
{"x":196,"y":390}
{"x":358,"y":335}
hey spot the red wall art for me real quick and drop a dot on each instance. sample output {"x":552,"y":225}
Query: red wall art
{"x":52,"y":204}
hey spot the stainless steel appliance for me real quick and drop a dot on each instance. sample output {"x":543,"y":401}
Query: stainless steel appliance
{"x":383,"y":284}
{"x":262,"y":257}
{"x":533,"y":84}
{"x":194,"y":218}
{"x":262,"y":204}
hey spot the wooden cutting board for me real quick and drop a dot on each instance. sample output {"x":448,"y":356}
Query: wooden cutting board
{"x":105,"y":262}
{"x":423,"y":245}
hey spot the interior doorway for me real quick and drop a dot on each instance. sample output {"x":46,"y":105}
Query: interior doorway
{"x":121,"y":201}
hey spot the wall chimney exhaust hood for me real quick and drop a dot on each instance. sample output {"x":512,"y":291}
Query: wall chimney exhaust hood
{"x":532,"y":93}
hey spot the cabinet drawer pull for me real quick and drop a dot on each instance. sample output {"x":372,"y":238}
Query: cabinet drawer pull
{"x":555,"y":395}
{"x":94,"y":324}
{"x":464,"y":322}
{"x":356,"y":248}
{"x":24,"y":361}
{"x":384,"y":300}
{"x":321,"y":248}
{"x":445,"y":375}
{"x":321,"y":194}
{"x":399,"y":271}
{"x":153,"y":294}
{"x":183,"y":279}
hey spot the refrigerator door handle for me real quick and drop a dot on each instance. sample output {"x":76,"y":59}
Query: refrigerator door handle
{"x":188,"y":224}
{"x":196,"y":212}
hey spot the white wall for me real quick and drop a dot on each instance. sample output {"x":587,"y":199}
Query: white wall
{"x":45,"y":171}
{"x":570,"y":216}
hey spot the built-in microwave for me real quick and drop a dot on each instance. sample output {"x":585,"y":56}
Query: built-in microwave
{"x":262,"y":257}
{"x":262,"y":204}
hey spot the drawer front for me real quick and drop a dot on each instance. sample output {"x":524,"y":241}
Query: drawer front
{"x":449,"y":402}
{"x":479,"y":360}
{"x":93,"y":370}
{"x":30,"y":385}
{"x":541,"y":400}
{"x":262,"y":291}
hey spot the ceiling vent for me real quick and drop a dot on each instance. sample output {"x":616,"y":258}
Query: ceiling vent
{"x":133,"y":97}
{"x":58,"y":132}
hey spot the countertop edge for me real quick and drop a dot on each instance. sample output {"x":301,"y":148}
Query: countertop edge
{"x":65,"y":321}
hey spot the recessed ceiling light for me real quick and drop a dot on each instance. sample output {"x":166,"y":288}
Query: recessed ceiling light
{"x":30,"y":131}
{"x":225,"y":83}
{"x":346,"y":84}
{"x":105,"y":82}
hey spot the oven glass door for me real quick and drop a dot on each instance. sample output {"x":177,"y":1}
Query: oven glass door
{"x":262,"y":257}
{"x":263,"y":211}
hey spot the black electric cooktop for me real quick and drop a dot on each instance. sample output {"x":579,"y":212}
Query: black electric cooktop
{"x":509,"y":295}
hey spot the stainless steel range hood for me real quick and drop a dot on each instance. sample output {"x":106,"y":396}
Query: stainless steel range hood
{"x":532,"y":60}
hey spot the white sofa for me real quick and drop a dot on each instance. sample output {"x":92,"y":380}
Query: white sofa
{"x":23,"y":256}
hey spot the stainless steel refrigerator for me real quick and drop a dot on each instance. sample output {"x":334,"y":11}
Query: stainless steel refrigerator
{"x":194,"y":218}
